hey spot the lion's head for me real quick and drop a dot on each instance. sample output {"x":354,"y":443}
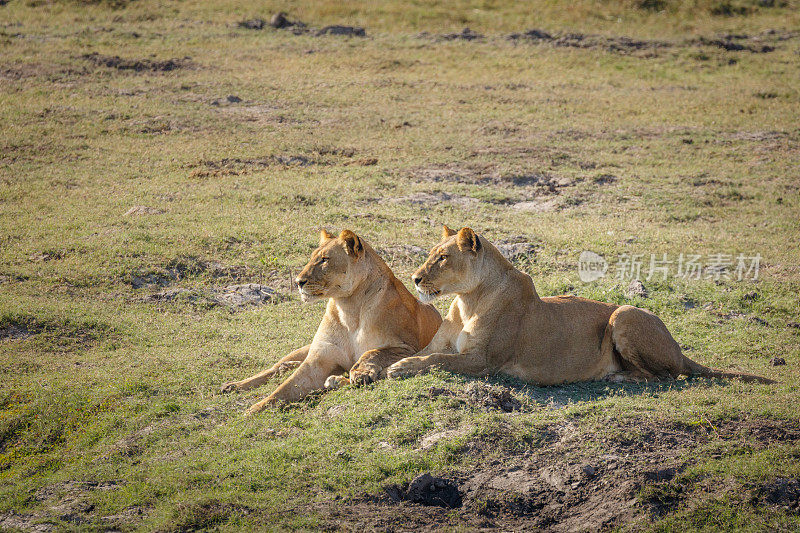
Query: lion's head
{"x":451,"y":266}
{"x":334,"y":269}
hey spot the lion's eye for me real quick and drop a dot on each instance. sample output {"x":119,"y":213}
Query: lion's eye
{"x":442,"y":257}
{"x":323,"y":260}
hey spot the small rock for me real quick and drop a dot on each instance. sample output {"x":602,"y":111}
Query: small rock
{"x":750,"y":296}
{"x":278,"y":21}
{"x":777,"y":361}
{"x":233,"y":99}
{"x":590,"y":471}
{"x":636,"y":288}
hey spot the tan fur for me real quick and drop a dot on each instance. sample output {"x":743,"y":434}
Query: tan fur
{"x":370,"y":322}
{"x":499,"y":324}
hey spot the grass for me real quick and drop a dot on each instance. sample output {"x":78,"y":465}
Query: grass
{"x":108,"y":386}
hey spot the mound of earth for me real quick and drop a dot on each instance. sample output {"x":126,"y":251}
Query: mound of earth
{"x":571,"y":480}
{"x":137,"y":65}
{"x":426,"y":489}
{"x":279,"y":21}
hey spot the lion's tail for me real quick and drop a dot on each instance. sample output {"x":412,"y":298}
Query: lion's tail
{"x":696,"y":369}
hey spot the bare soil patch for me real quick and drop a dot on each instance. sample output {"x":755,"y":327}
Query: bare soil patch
{"x":280,"y":21}
{"x":234,"y":166}
{"x":572,"y":480}
{"x":734,"y":43}
{"x":64,"y":335}
{"x":184,"y":267}
{"x":537,"y":206}
{"x":234,"y":297}
{"x":517,"y":248}
{"x":67,"y":501}
{"x":488,"y":175}
{"x":337,"y":29}
{"x":18,"y":331}
{"x":46,"y":71}
{"x":464,"y":35}
{"x":436,"y":198}
{"x":138,"y":65}
{"x":621,"y":45}
{"x":520,"y":190}
{"x":782,"y":492}
{"x":764,"y":42}
{"x":476,"y":393}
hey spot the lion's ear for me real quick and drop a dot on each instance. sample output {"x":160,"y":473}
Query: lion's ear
{"x":447,"y":232}
{"x":468,"y":241}
{"x":324,"y":236}
{"x":352,"y":244}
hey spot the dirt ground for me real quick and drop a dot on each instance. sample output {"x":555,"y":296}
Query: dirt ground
{"x":574,"y":482}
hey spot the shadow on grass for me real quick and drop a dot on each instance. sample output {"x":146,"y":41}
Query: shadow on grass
{"x":559,"y":396}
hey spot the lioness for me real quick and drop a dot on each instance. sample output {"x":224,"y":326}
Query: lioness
{"x":498,"y":324}
{"x":370,"y":322}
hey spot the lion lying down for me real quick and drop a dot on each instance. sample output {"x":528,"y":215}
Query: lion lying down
{"x":498,"y":324}
{"x":370,"y":322}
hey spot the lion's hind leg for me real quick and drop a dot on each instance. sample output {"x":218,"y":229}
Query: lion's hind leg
{"x":285,"y":364}
{"x":644,"y":346}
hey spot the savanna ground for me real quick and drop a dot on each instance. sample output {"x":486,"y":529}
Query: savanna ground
{"x":137,"y":198}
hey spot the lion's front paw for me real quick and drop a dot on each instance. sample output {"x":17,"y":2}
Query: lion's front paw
{"x":404,"y":368}
{"x":364,"y":375}
{"x":335,"y":382}
{"x":229,"y":387}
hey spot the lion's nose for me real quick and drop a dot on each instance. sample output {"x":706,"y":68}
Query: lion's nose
{"x":416,"y":279}
{"x":301,"y":282}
